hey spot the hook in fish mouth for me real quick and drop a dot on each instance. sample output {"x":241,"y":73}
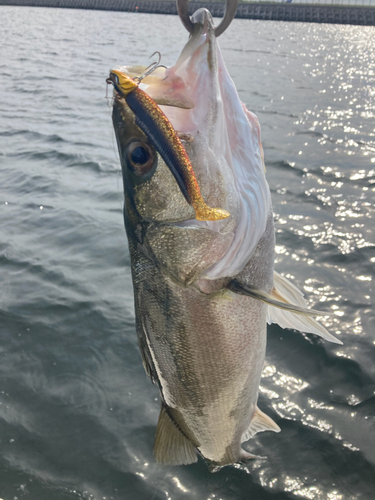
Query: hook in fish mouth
{"x":230,"y":12}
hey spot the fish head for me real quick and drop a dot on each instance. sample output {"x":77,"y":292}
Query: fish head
{"x":222,"y":140}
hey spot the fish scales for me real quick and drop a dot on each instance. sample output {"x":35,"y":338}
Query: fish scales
{"x":204,"y":290}
{"x":208,"y":394}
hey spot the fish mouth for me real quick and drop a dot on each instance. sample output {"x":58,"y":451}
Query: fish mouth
{"x":186,"y":86}
{"x":179,"y":95}
{"x":155,"y":125}
{"x":200,"y":100}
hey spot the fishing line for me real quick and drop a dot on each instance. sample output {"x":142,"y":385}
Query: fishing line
{"x":110,"y":101}
{"x":119,"y":172}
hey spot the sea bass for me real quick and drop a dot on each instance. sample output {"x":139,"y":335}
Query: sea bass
{"x":204,"y":289}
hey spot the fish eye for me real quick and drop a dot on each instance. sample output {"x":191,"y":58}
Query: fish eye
{"x":140,"y":158}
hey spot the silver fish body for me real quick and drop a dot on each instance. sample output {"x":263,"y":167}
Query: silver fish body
{"x":202,"y":341}
{"x":205,"y":351}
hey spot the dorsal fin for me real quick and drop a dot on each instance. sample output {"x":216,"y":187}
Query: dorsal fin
{"x":171,"y":447}
{"x":259,"y":423}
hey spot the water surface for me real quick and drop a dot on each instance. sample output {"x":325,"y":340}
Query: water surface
{"x":77,"y":412}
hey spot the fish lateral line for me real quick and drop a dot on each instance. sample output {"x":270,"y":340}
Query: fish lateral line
{"x":154,"y":123}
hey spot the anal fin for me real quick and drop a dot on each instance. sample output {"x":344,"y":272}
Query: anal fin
{"x":259,"y":423}
{"x":171,"y":447}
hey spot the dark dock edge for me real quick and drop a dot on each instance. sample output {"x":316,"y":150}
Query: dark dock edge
{"x":333,"y":14}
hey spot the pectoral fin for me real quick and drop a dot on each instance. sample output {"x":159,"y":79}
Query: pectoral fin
{"x":171,"y":447}
{"x":273,"y":299}
{"x":260,"y":423}
{"x":284,"y":290}
{"x":287,"y":307}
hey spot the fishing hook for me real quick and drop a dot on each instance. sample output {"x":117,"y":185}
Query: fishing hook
{"x":230,"y":12}
{"x":150,"y":69}
{"x":137,"y":79}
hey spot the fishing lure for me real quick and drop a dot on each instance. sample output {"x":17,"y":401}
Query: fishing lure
{"x":153,"y":122}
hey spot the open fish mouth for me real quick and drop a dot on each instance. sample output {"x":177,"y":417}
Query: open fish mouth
{"x":163,"y":137}
{"x":221,"y":138}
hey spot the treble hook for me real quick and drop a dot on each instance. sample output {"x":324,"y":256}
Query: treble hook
{"x":150,"y":69}
{"x":230,"y":12}
{"x":137,"y":79}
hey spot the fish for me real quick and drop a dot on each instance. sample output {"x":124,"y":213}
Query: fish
{"x":204,"y":290}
